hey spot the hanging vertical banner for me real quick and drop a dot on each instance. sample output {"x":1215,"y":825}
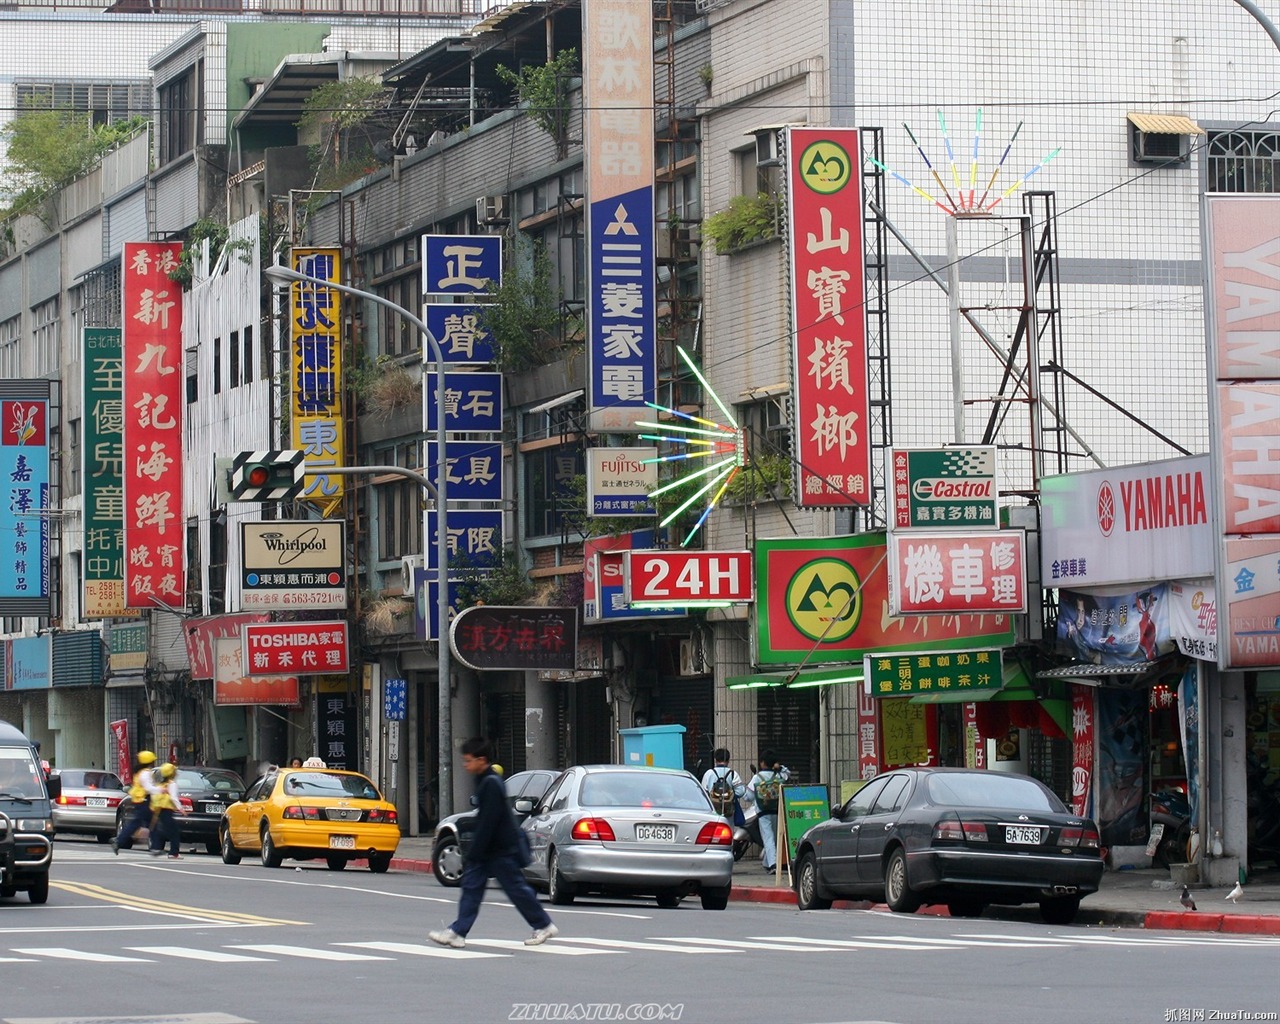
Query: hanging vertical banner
{"x":316,"y":374}
{"x":868,"y":737}
{"x":102,"y":471}
{"x":25,"y":416}
{"x":154,"y":397}
{"x":832,"y":407}
{"x":1082,"y":733}
{"x":123,"y":758}
{"x":617,"y":98}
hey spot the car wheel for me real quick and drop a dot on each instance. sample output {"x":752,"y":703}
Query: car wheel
{"x":559,"y":891}
{"x":379,"y":863}
{"x":668,"y":899}
{"x":965,"y":908}
{"x":336,"y":861}
{"x":8,"y":890}
{"x":230,"y":855}
{"x":39,"y":891}
{"x":271,"y":857}
{"x":897,"y":893}
{"x":1060,"y":909}
{"x":807,"y":894}
{"x":1172,"y":849}
{"x":716,"y":899}
{"x":446,"y":862}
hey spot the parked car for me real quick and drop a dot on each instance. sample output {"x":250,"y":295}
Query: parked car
{"x":963,"y":838}
{"x":205,"y":794}
{"x":88,"y":802}
{"x":446,"y":856}
{"x":635,"y":831}
{"x":308,"y":814}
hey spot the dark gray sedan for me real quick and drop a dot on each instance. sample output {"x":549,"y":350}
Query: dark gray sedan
{"x":612,"y":829}
{"x":963,"y":838}
{"x":446,"y":855}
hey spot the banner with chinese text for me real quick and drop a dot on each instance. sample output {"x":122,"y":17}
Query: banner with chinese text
{"x":26,"y":417}
{"x":316,"y":374}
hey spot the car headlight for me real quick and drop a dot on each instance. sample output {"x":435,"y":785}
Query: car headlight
{"x":35,"y":825}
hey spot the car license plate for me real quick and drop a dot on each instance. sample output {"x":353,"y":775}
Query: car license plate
{"x":95,"y":801}
{"x":656,"y":833}
{"x":1021,"y":835}
{"x":342,"y":842}
{"x":213,"y":808}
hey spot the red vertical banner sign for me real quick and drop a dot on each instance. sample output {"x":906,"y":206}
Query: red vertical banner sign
{"x":120,"y":739}
{"x":1081,"y":749}
{"x":154,"y":382}
{"x":828,"y":289}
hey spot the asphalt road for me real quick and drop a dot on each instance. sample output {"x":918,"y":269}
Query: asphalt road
{"x":195,"y":941}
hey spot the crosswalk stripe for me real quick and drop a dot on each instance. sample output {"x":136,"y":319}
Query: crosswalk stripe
{"x":741,"y":945}
{"x":897,"y":940}
{"x":922,"y":944}
{"x":75,"y":954}
{"x":546,"y":947}
{"x":652,"y":946}
{"x":211,"y":955}
{"x":309,"y":953}
{"x":1199,"y":939}
{"x":414,"y":949}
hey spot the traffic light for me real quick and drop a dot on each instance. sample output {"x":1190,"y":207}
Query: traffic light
{"x":267,"y":476}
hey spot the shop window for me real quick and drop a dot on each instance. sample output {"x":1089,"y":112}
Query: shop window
{"x":548,"y":478}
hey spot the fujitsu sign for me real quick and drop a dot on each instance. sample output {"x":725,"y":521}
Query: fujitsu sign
{"x":1130,"y":524}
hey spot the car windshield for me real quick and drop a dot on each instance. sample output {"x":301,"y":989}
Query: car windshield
{"x":643,"y":789}
{"x":20,"y":776}
{"x":72,"y":779}
{"x":330,"y":784}
{"x":990,"y":789}
{"x":190,"y":780}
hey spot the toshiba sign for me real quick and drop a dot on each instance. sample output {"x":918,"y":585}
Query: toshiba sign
{"x":1130,"y":524}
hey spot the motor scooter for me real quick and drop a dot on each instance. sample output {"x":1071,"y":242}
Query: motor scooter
{"x":1171,"y":809}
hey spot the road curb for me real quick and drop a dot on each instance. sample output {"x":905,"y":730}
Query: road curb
{"x":1156,"y":920}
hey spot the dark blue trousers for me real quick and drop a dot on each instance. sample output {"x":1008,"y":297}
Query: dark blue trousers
{"x":503,"y":867}
{"x":139,"y":817}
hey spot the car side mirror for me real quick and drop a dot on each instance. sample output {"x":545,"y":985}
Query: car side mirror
{"x":836,"y":809}
{"x":54,"y":786}
{"x":524,"y":806}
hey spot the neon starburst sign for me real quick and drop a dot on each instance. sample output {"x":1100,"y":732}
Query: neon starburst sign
{"x":699,"y":439}
{"x":962,"y":200}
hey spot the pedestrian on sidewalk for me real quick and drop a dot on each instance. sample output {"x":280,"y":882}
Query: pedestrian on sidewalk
{"x":140,"y":790}
{"x":164,"y":811}
{"x":765,"y":789}
{"x":498,"y":850}
{"x":725,"y":787}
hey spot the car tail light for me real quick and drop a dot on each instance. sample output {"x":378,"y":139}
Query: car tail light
{"x":188,"y":805}
{"x":70,"y":801}
{"x":960,"y":831}
{"x":715,"y":833}
{"x":593,"y":828}
{"x":297,"y":813}
{"x":1087,"y":838}
{"x":378,"y":816}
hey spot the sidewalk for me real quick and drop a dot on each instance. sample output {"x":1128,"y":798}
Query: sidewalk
{"x":1127,"y":899}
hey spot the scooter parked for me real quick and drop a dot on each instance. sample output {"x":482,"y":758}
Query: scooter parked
{"x":1171,"y":810}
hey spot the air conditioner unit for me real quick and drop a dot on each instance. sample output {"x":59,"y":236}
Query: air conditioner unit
{"x":767,"y":154}
{"x":407,"y":564}
{"x":492,"y":210}
{"x":690,"y":659}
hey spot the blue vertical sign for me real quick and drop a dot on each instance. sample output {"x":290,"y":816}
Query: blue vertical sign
{"x":25,"y":419}
{"x":472,"y":403}
{"x":395,"y":700}
{"x":458,"y":330}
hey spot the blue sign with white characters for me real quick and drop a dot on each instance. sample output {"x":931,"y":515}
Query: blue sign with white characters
{"x":472,"y":403}
{"x":622,"y":323}
{"x":463,"y":264}
{"x":475,"y":469}
{"x":457,"y":329}
{"x":395,"y":700}
{"x":475,"y":539}
{"x":426,"y":590}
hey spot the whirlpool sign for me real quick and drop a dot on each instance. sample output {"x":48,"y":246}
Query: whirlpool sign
{"x":290,"y":566}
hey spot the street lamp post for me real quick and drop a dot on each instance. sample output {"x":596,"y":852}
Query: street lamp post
{"x":284,"y":275}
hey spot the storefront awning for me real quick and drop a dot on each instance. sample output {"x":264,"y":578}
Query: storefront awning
{"x":1095,"y":675}
{"x":797,"y":680}
{"x":1164,"y":124}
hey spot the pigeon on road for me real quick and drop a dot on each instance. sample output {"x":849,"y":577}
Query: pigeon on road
{"x":1235,"y":894}
{"x":1187,"y":902}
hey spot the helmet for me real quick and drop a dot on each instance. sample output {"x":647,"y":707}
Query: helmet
{"x":167,"y":771}
{"x":146,"y":757}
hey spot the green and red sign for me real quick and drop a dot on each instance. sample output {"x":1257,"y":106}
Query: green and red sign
{"x":937,"y":488}
{"x":826,"y":600}
{"x":948,"y":673}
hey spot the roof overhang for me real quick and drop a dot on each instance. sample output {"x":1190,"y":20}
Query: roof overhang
{"x":1164,"y":124}
{"x":797,"y":680}
{"x":279,"y":100}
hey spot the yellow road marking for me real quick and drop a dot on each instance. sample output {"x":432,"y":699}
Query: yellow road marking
{"x":145,"y":903}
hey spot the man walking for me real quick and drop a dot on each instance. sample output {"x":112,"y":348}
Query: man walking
{"x":495,"y":851}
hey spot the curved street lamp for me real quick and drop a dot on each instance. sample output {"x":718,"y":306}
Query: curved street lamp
{"x":281,"y":275}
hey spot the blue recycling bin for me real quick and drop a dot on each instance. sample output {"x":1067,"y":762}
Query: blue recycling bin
{"x":653,"y":746}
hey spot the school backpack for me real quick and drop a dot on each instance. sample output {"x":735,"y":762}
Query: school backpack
{"x":767,"y":793}
{"x":722,"y":793}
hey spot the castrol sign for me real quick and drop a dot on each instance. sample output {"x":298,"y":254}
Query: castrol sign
{"x":942,"y":488}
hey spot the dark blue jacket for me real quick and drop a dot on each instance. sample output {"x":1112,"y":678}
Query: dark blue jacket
{"x":495,"y":831}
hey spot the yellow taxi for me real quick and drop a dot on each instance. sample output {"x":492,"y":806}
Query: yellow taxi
{"x":310,"y":814}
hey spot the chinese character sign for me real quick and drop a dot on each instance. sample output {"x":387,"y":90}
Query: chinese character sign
{"x":474,"y":472}
{"x":475,"y":539}
{"x":25,"y":411}
{"x":395,"y":700}
{"x":295,"y":648}
{"x":472,"y":403}
{"x":515,"y":638}
{"x":461,"y":265}
{"x":458,"y":330}
{"x":103,"y":473}
{"x":617,"y":86}
{"x":154,"y":397}
{"x":824,"y":191}
{"x":316,"y":374}
{"x":959,"y":572}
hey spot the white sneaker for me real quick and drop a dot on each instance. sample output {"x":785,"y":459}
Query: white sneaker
{"x":447,"y":937}
{"x":541,"y":935}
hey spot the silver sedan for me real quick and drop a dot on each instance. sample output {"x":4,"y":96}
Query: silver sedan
{"x":612,"y":829}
